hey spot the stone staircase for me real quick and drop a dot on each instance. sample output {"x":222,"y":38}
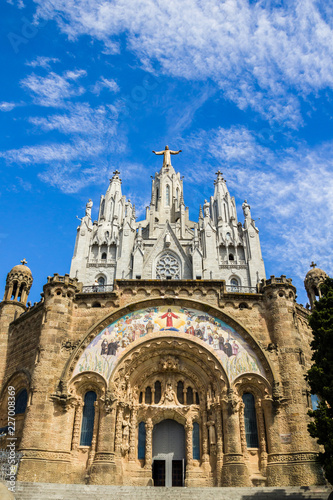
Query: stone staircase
{"x":52,"y":491}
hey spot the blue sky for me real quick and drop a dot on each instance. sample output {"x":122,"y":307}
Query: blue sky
{"x":88,"y":87}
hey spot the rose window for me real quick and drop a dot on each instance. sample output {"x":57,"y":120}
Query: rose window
{"x":168,"y":268}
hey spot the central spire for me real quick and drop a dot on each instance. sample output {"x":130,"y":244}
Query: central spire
{"x":166,"y":155}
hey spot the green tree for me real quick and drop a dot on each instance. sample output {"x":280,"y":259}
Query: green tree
{"x":320,"y":375}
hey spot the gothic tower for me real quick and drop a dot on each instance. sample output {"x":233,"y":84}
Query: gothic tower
{"x":167,"y":244}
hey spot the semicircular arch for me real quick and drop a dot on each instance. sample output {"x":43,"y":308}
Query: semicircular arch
{"x":100,"y":325}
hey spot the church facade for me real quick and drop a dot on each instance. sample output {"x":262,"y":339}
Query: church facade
{"x":165,"y":357}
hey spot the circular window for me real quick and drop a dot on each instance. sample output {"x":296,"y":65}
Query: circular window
{"x":168,"y":267}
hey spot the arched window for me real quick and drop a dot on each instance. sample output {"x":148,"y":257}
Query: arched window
{"x":234,"y":285}
{"x":103,"y":256}
{"x":157,"y":195}
{"x":148,"y":396}
{"x":101,"y":281}
{"x":140,"y":398}
{"x":231,"y":256}
{"x":167,"y":195}
{"x":21,"y":402}
{"x":142,"y":441}
{"x":189,"y":396}
{"x":102,"y":208}
{"x":196,"y":441}
{"x":250,"y":419}
{"x":158,"y":392}
{"x":197,"y":401}
{"x":88,"y":418}
{"x":177,"y":196}
{"x":180,"y":392}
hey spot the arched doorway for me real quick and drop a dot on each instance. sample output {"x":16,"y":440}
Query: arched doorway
{"x":168,"y":454}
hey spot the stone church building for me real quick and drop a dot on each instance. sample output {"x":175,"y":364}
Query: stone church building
{"x":165,"y":357}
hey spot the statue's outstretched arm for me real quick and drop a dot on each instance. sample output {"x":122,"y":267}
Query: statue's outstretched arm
{"x":158,"y":152}
{"x":175,"y":152}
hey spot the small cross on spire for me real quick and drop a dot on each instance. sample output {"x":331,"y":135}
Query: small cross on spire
{"x":313,"y":264}
{"x":24,"y":262}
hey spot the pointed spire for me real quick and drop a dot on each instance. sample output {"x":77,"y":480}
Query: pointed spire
{"x":115,"y":177}
{"x":219,"y":177}
{"x":200,"y":213}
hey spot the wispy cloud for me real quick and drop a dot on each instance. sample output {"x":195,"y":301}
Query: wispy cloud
{"x":42,"y":62}
{"x":82,"y":157}
{"x":290,"y":190}
{"x":53,"y":90}
{"x":7,"y":106}
{"x":265,"y":56}
{"x":105,"y":83}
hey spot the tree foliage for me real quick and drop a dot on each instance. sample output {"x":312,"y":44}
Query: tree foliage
{"x":320,"y":375}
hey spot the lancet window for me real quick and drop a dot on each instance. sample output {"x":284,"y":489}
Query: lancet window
{"x":21,"y":402}
{"x":142,"y":441}
{"x":250,"y":420}
{"x":196,"y":441}
{"x":88,"y":418}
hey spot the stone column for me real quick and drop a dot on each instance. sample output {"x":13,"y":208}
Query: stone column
{"x":132,"y":439}
{"x":103,"y":466}
{"x":219,"y":446}
{"x":242,"y":432}
{"x":149,"y":443}
{"x":77,"y":425}
{"x":262,"y":438}
{"x":189,"y":441}
{"x":119,"y":430}
{"x":94,"y":437}
{"x":234,"y":471}
{"x":205,"y":456}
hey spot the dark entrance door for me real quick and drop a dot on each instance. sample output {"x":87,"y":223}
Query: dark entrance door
{"x":169,"y":448}
{"x":159,"y":472}
{"x":177,"y":472}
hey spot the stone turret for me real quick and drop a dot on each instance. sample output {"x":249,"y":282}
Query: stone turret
{"x":18,"y":285}
{"x":312,"y":283}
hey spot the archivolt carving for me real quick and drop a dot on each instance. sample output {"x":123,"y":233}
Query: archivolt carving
{"x":255,"y":384}
{"x":87,"y":381}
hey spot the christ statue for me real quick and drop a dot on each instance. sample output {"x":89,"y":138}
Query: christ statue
{"x":166,"y":153}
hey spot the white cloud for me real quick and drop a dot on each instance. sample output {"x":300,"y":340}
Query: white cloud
{"x":263,"y":57}
{"x":290,"y":190}
{"x":90,"y":135}
{"x":80,"y":119}
{"x":42,"y":62}
{"x":20,"y":3}
{"x":105,"y":83}
{"x":52,"y":90}
{"x":72,"y":177}
{"x":7,"y":106}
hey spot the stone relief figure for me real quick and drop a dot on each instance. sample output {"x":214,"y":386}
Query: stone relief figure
{"x":211,"y":431}
{"x":206,"y":209}
{"x":88,"y":208}
{"x":246,"y":210}
{"x":126,"y":431}
{"x":166,"y":153}
{"x":169,"y":396}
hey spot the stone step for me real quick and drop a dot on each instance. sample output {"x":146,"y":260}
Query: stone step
{"x":52,"y":491}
